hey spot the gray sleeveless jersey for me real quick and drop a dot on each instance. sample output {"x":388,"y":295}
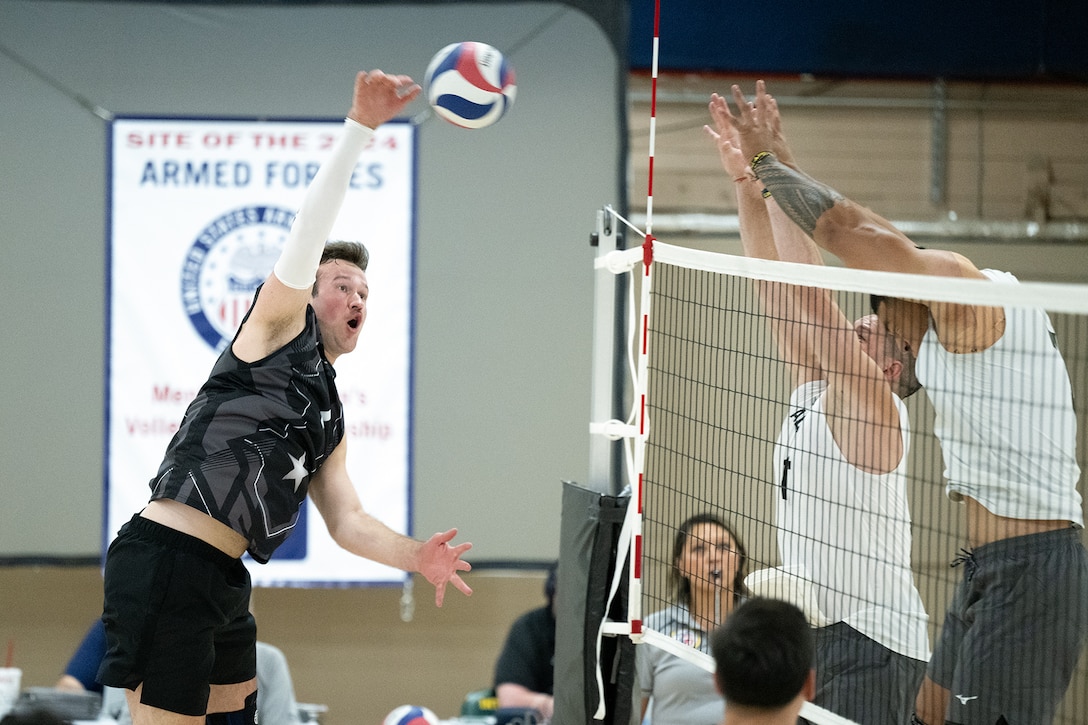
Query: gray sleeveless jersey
{"x":252,"y":438}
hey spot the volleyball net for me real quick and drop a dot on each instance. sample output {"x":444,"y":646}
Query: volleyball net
{"x":854,"y":527}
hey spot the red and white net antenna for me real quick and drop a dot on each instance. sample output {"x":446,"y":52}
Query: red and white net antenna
{"x":640,"y":430}
{"x":642,"y":422}
{"x":653,"y":124}
{"x":631,"y":533}
{"x":634,"y":607}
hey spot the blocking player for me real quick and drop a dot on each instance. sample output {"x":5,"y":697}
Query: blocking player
{"x":1004,"y":417}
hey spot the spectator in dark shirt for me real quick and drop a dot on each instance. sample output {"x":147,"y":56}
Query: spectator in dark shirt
{"x":524,"y":674}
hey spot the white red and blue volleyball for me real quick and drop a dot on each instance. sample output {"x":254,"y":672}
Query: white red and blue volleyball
{"x":411,"y":715}
{"x":470,"y":84}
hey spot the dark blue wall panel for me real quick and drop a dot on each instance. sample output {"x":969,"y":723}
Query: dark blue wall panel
{"x":955,"y":39}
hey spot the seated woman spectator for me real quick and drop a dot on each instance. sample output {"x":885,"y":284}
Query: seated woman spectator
{"x":707,"y":582}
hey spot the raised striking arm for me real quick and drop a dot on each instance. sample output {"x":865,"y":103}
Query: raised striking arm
{"x":279,"y":311}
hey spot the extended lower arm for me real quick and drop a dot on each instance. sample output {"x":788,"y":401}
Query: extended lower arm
{"x":756,"y":235}
{"x":297,"y":265}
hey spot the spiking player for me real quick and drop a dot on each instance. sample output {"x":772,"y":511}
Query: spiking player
{"x":265,"y":429}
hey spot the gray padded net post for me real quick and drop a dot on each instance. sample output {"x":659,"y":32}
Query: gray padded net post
{"x":588,"y":558}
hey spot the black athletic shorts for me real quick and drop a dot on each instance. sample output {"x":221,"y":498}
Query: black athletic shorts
{"x":1014,"y":629}
{"x":177,"y":617}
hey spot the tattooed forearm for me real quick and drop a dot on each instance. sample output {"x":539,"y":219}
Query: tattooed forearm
{"x":801,"y":197}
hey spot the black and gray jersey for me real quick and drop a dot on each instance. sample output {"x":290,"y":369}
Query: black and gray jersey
{"x":252,"y":438}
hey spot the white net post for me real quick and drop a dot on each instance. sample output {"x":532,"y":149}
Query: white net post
{"x":604,"y":428}
{"x":610,"y":264}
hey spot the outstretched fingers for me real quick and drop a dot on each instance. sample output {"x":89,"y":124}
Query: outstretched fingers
{"x":724,"y":121}
{"x":458,"y":582}
{"x":762,"y":97}
{"x":750,"y":132}
{"x":732,"y":159}
{"x":771,"y":119}
{"x":440,"y":589}
{"x":440,"y":562}
{"x":746,"y":110}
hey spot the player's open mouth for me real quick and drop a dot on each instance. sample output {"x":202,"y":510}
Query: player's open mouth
{"x":353,"y":323}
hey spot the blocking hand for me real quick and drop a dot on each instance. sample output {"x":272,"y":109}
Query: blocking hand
{"x":759,"y":125}
{"x":725,"y":136}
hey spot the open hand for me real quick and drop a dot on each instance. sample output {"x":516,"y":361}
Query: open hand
{"x":768,"y":112}
{"x":439,"y":563}
{"x":758,"y":124}
{"x":725,"y":136}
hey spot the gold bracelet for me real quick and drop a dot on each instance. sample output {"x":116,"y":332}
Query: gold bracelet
{"x":759,"y":157}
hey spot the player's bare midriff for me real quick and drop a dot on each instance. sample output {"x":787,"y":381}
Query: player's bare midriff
{"x":188,"y":520}
{"x":984,"y":527}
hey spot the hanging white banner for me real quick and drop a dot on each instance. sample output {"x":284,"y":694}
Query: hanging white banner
{"x":198,"y":213}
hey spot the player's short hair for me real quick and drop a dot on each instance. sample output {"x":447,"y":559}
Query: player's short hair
{"x":353,"y":252}
{"x":763,"y":653}
{"x":897,"y":348}
{"x":875,"y":300}
{"x":349,"y":252}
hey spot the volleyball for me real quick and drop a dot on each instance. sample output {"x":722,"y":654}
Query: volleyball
{"x":411,"y":715}
{"x":470,"y":84}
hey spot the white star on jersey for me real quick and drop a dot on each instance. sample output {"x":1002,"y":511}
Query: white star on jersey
{"x":298,"y":472}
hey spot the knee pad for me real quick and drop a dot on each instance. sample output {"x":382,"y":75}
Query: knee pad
{"x":246,"y":716}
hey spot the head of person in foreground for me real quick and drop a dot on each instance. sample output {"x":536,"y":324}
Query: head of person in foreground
{"x":764,"y":654}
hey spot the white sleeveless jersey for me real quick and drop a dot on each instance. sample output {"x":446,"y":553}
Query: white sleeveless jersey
{"x":847,"y":531}
{"x":1005,"y":418}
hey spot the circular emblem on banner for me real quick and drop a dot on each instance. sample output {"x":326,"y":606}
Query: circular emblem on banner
{"x":229,"y":259}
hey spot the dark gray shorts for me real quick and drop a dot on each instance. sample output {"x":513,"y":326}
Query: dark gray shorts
{"x":862,"y":680}
{"x":1014,"y":629}
{"x":177,"y":617}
